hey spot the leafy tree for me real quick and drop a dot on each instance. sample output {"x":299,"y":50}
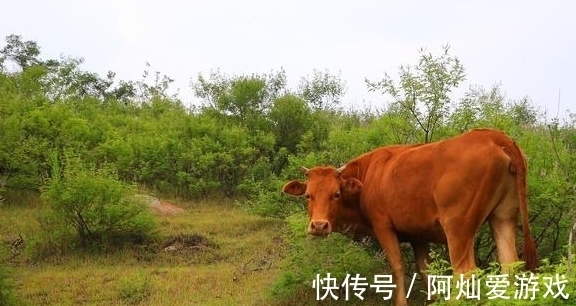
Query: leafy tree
{"x":292,"y":118}
{"x":146,"y":90}
{"x":423,"y":91}
{"x":22,"y":53}
{"x":65,"y":80}
{"x":491,"y":107}
{"x":244,"y":99}
{"x":322,"y":90}
{"x":19,"y":99}
{"x":399,"y":125}
{"x":522,"y":112}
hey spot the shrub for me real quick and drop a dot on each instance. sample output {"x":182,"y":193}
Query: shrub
{"x":95,"y":204}
{"x":269,"y":201}
{"x":310,"y":257}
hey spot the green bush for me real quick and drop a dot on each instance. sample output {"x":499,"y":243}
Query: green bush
{"x":310,"y":257}
{"x":269,"y":201}
{"x":94,"y":203}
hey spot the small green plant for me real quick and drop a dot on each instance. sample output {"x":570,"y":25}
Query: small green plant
{"x":134,"y":290}
{"x":438,"y":264}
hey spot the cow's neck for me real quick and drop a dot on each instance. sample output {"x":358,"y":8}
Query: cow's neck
{"x":351,"y":221}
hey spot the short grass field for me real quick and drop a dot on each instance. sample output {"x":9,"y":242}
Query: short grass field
{"x":212,"y":254}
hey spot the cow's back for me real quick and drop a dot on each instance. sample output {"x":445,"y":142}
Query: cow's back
{"x":411,"y":188}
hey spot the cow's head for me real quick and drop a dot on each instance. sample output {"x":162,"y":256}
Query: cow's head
{"x":332,"y":200}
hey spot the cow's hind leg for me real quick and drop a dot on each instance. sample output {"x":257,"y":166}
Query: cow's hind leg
{"x":422,"y":257}
{"x":460,"y":232}
{"x":463,"y":213}
{"x":503,"y":221}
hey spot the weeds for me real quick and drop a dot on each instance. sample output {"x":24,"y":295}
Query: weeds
{"x":135,"y":289}
{"x":7,"y":297}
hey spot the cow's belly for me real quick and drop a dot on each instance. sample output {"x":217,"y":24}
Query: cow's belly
{"x":416,"y":227}
{"x":433,"y":234}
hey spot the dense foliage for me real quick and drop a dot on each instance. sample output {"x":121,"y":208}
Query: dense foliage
{"x":314,"y":257}
{"x":253,"y":132}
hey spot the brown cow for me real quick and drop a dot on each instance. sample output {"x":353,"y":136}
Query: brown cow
{"x":440,"y":192}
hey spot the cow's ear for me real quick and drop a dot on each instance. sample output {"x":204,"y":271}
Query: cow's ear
{"x":352,"y":186}
{"x":295,"y":188}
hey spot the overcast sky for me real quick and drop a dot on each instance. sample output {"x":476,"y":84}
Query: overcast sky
{"x":527,"y":46}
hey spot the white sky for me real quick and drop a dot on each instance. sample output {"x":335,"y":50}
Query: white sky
{"x":527,"y":46}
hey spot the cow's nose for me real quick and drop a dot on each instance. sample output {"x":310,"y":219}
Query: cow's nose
{"x":321,"y":227}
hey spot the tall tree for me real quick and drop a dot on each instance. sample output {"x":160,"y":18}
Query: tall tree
{"x":292,"y":118}
{"x":322,"y":90}
{"x":243,"y":99}
{"x":423,"y":91}
{"x":23,"y":53}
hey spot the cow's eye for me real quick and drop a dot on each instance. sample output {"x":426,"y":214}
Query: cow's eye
{"x":307,"y":196}
{"x":337,"y":195}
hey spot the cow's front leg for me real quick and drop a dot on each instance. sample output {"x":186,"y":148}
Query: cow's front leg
{"x":389,"y":242}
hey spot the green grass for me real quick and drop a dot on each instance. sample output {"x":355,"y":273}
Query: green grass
{"x":234,"y":264}
{"x":222,"y":256}
{"x":244,"y":258}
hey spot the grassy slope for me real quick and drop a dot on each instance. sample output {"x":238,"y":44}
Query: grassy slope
{"x":236,"y":272}
{"x":239,"y":270}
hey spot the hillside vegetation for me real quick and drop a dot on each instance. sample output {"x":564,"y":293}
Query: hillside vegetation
{"x":75,"y":147}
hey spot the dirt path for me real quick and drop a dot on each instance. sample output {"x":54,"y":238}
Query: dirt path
{"x":160,"y":207}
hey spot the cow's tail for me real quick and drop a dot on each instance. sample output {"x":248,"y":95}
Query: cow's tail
{"x":518,"y":166}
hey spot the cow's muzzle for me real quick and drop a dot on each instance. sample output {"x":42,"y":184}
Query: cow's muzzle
{"x":319,"y":228}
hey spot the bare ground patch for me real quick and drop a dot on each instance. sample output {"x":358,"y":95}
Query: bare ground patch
{"x":159,"y":206}
{"x":187,"y":243}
